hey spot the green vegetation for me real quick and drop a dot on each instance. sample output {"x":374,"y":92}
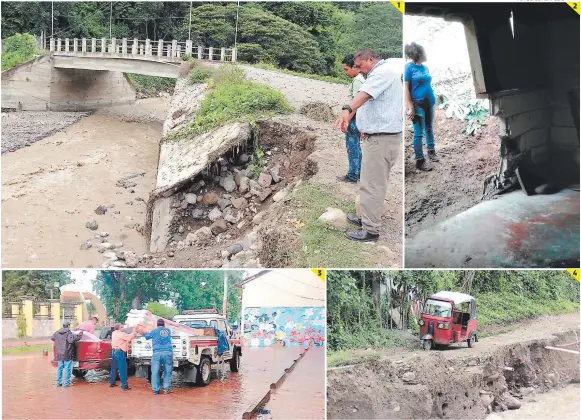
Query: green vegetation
{"x":121,"y":291}
{"x":34,"y":283}
{"x":307,"y":37}
{"x":232,"y":98}
{"x":360,"y":316}
{"x":159,"y":309}
{"x":26,"y":349}
{"x":321,"y":245}
{"x":17,"y":49}
{"x":150,"y":86}
{"x":200,"y":74}
{"x":21,"y":326}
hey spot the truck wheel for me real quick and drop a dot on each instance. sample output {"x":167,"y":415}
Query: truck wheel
{"x":204,"y":372}
{"x":427,"y":344}
{"x":235,"y":362}
{"x":79,"y":373}
{"x":472,"y":341}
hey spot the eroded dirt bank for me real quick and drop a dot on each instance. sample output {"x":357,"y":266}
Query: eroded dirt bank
{"x":52,"y":189}
{"x":501,"y":373}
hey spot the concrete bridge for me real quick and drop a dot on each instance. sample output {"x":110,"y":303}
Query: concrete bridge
{"x":87,"y":74}
{"x":153,"y":58}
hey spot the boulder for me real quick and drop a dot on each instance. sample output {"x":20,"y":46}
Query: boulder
{"x":219,"y":226}
{"x":191,"y":198}
{"x":228,"y":183}
{"x":210,"y":198}
{"x":201,"y":236}
{"x":264,"y":180}
{"x":264,"y":194}
{"x":215,"y":214}
{"x":335,"y":218}
{"x":240,"y":203}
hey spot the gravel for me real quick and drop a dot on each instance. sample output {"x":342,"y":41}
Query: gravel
{"x":21,"y":129}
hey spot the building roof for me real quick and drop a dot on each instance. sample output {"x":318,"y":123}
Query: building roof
{"x":242,"y":282}
{"x":456,"y":297}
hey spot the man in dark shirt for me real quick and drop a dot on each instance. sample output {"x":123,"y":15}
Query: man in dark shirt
{"x":64,"y":341}
{"x":162,"y":356}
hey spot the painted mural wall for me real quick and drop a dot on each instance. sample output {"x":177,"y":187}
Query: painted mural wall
{"x":294,"y":327}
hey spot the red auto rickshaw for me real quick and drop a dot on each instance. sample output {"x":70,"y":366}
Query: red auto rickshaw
{"x":448,"y":317}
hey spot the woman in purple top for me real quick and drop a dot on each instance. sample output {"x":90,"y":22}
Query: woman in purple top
{"x":420,"y":103}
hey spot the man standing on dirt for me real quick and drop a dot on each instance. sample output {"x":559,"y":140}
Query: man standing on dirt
{"x":119,"y":342}
{"x":379,"y":106}
{"x":64,"y":342}
{"x":352,"y":136}
{"x":162,"y":356}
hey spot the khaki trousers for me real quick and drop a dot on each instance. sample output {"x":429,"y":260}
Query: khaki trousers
{"x":380,"y":152}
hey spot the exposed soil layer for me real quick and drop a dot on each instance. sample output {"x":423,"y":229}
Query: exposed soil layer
{"x":456,"y":182}
{"x":501,"y":373}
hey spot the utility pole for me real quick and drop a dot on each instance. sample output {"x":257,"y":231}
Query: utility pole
{"x":110,"y":20}
{"x":236,"y":32}
{"x":190,"y":26}
{"x":225,"y":301}
{"x":52,"y":20}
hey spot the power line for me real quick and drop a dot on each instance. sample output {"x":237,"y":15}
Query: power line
{"x":298,"y":281}
{"x":295,"y":294}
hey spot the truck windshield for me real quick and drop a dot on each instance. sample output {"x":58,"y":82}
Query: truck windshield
{"x":199,"y":323}
{"x":438,"y":308}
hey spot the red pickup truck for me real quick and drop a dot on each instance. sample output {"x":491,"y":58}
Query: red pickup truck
{"x":94,"y":353}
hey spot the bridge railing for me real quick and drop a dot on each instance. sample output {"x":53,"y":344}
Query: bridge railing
{"x":163,"y":50}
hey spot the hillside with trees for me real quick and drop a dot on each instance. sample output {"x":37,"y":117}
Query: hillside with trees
{"x":309,"y":37}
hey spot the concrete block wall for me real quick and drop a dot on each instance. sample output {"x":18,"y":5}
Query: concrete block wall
{"x":81,"y":90}
{"x":9,"y":328}
{"x":26,"y":87}
{"x":42,"y":327}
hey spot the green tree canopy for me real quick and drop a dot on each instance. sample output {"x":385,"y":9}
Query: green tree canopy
{"x":33,"y":283}
{"x":159,"y":309}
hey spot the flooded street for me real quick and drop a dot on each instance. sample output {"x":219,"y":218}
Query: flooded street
{"x":50,"y":190}
{"x":556,"y":404}
{"x":29,"y":392}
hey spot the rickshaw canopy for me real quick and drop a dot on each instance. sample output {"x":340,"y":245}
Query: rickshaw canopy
{"x":455,"y":297}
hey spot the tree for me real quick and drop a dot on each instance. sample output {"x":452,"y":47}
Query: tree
{"x":159,"y":309}
{"x":36,"y":284}
{"x":21,"y":326}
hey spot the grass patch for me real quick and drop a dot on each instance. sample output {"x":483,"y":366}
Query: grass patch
{"x":498,"y":308}
{"x":26,"y":349}
{"x":151,"y":86}
{"x":332,"y":79}
{"x":17,"y":49}
{"x":200,"y":75}
{"x":232,"y":98}
{"x":350,"y":357}
{"x":321,"y":245}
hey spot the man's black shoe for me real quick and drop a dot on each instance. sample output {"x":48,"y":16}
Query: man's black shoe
{"x":166,"y":391}
{"x":362,"y":235}
{"x":354,"y":220}
{"x":345,"y":178}
{"x":126,"y":389}
{"x":112,"y":385}
{"x":432,"y":155}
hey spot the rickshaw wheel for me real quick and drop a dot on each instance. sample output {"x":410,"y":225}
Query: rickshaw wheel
{"x":427,"y":344}
{"x":472,"y":341}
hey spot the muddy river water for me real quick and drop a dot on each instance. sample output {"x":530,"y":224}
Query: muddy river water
{"x":52,"y":188}
{"x":556,"y":404}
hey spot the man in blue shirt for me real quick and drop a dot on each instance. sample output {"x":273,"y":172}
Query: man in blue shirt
{"x":162,"y":355}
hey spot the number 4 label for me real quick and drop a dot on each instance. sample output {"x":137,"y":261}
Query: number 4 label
{"x":574,"y":272}
{"x":399,"y":5}
{"x":573,"y":5}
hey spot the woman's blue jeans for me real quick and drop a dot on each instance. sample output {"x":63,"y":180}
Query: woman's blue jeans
{"x":423,"y":122}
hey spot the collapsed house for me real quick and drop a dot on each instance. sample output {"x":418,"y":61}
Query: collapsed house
{"x":525,"y":59}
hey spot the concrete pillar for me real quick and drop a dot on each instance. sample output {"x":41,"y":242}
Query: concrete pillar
{"x":200,"y":52}
{"x":179,"y":51}
{"x":169,"y":50}
{"x":84,"y":45}
{"x":124,"y":46}
{"x":222,"y":54}
{"x":52,"y":45}
{"x":189,"y":47}
{"x":79,"y":312}
{"x":94,"y":45}
{"x":58,"y":44}
{"x":66,"y":45}
{"x":55,"y":310}
{"x":75,"y":45}
{"x":141,"y":50}
{"x":134,"y":49}
{"x":210,"y":53}
{"x":103,"y":45}
{"x":113,"y":45}
{"x":234,"y":54}
{"x":15,"y":309}
{"x":174,"y":48}
{"x":160,"y":48}
{"x":147,"y":47}
{"x":44,"y":311}
{"x":28,"y":310}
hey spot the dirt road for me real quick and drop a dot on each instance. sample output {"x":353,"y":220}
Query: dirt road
{"x":455,"y":184}
{"x":51,"y":189}
{"x":459,"y":382}
{"x":331,"y":156}
{"x":29,"y":391}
